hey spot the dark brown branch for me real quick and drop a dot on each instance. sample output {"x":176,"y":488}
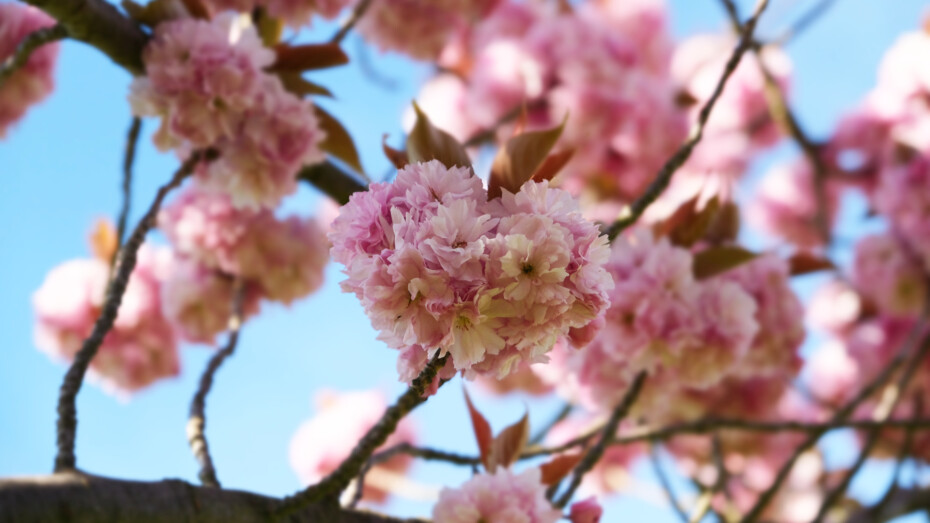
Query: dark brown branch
{"x":99,"y":24}
{"x":197,"y":419}
{"x":350,"y":22}
{"x":132,"y":139}
{"x":33,"y":41}
{"x":785,"y":118}
{"x":664,"y":176}
{"x":339,"y":479}
{"x":125,"y":263}
{"x":610,"y":429}
{"x":79,"y":498}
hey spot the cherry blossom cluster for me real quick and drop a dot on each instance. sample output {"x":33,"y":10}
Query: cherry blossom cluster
{"x":296,"y":13}
{"x":141,"y":348}
{"x":322,"y":443}
{"x":630,"y":92}
{"x":493,"y":283}
{"x":216,"y":245}
{"x":31,"y":83}
{"x":499,"y":496}
{"x":208,"y":84}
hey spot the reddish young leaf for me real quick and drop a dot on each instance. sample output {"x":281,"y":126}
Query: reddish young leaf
{"x":427,"y":142}
{"x":509,"y":444}
{"x":682,"y":214}
{"x":805,"y":263}
{"x":338,"y":142}
{"x":103,"y":240}
{"x":270,"y":29}
{"x":308,"y":57}
{"x":715,"y":260}
{"x":520,"y":158}
{"x":725,"y":225}
{"x":689,"y":232}
{"x":552,"y":165}
{"x":558,"y":467}
{"x":295,"y":83}
{"x":482,"y":433}
{"x":397,"y":157}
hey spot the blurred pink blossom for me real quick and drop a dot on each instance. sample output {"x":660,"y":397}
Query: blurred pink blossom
{"x":32,"y":82}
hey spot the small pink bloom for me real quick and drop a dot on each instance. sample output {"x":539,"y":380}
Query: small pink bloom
{"x":587,"y":511}
{"x":502,"y":496}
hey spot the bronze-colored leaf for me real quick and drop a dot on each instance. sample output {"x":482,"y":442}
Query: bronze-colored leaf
{"x":687,"y":233}
{"x":552,"y":165}
{"x":103,"y":240}
{"x":397,"y":157}
{"x":338,"y":141}
{"x":270,"y":29}
{"x":197,"y":9}
{"x":519,"y":159}
{"x":509,"y":444}
{"x":559,"y":467}
{"x":725,"y":226}
{"x":295,"y":83}
{"x":308,"y":57}
{"x":427,"y":142}
{"x":483,"y":435}
{"x":682,"y":214}
{"x":715,"y":260}
{"x":806,"y":262}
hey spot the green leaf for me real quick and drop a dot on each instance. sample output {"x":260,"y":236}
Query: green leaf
{"x":427,"y":142}
{"x":520,"y":158}
{"x":308,"y":57}
{"x":338,"y":141}
{"x":716,"y":260}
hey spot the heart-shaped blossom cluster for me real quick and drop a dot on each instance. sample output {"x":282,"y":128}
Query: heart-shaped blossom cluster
{"x":494,"y":283}
{"x":206,"y":80}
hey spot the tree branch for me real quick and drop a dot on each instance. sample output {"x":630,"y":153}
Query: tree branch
{"x":132,"y":139}
{"x":610,"y":428}
{"x":666,"y":485}
{"x":664,"y":176}
{"x":81,"y":498}
{"x":330,"y":486}
{"x":350,"y":22}
{"x":125,"y":263}
{"x":33,"y":41}
{"x":197,"y":419}
{"x":101,"y":25}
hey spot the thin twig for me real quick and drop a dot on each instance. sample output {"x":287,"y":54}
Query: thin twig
{"x":197,"y":419}
{"x":664,"y":176}
{"x":665,"y":483}
{"x":339,"y":479}
{"x":125,"y":263}
{"x":545,"y":429}
{"x":132,"y":139}
{"x":879,"y":381}
{"x":785,"y":118}
{"x":610,"y":428}
{"x":705,"y":501}
{"x":804,"y":22}
{"x":33,"y":41}
{"x":903,"y":453}
{"x":350,"y":22}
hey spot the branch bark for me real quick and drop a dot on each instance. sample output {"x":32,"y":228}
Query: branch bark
{"x":82,"y":498}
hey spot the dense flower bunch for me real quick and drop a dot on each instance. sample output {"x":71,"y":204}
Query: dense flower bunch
{"x":324,"y":441}
{"x":493,"y":283}
{"x":206,"y":80}
{"x":141,"y":348}
{"x":31,"y":83}
{"x":499,"y":496}
{"x":215,"y":244}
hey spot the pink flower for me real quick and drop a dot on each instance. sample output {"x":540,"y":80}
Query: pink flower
{"x":283,"y":259}
{"x":586,"y":511}
{"x":886,"y":273}
{"x":833,"y":376}
{"x":206,"y":80}
{"x":835,"y":307}
{"x":502,"y":496}
{"x":32,"y":82}
{"x":321,"y":443}
{"x":494,"y":284}
{"x":901,"y":195}
{"x":140,"y":348}
{"x":198,"y":301}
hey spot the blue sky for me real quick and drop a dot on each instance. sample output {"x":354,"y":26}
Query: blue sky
{"x":60,"y":169}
